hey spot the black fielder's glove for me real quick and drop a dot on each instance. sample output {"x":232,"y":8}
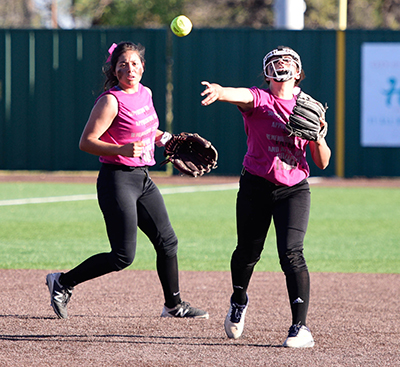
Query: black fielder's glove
{"x":191,"y":154}
{"x":304,"y":121}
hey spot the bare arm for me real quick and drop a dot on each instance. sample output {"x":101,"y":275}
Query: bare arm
{"x":159,"y":133}
{"x":240,"y":97}
{"x":100,"y":119}
{"x":320,"y":151}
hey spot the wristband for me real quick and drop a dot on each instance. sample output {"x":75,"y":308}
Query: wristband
{"x":164,"y":138}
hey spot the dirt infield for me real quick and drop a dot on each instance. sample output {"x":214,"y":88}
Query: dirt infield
{"x":114,"y":320}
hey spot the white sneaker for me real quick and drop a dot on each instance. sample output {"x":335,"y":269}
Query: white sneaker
{"x":234,"y":321}
{"x":299,"y":337}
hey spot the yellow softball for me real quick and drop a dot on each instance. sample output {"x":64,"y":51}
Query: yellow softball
{"x":181,"y":26}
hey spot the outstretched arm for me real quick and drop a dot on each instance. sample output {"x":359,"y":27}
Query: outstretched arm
{"x":240,"y":97}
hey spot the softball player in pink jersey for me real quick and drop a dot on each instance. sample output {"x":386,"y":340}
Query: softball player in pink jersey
{"x":122,"y":130}
{"x":273,"y":186}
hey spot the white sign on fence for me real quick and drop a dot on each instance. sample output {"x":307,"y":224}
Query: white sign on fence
{"x":380,"y":95}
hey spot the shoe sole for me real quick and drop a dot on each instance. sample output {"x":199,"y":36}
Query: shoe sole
{"x":232,"y":335}
{"x":165,"y":313}
{"x":308,"y":345}
{"x":206,"y":316}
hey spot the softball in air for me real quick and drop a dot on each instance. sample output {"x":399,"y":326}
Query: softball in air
{"x":181,"y":26}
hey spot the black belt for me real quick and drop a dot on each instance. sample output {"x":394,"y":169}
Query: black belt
{"x":122,"y":167}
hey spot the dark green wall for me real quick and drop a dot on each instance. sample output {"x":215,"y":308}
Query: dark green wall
{"x":49,"y":80}
{"x":234,"y":58}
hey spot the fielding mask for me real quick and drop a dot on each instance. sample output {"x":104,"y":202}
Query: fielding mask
{"x":279,"y":72}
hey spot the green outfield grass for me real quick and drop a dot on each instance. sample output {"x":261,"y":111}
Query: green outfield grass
{"x":350,"y":230}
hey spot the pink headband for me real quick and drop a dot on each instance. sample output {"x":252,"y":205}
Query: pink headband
{"x":110,"y":51}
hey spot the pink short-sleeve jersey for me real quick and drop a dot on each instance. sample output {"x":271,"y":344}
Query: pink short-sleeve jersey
{"x":136,"y":120}
{"x":272,"y":153}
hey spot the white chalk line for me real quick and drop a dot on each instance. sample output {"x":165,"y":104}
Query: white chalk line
{"x":165,"y":191}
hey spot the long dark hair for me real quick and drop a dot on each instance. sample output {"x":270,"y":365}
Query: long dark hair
{"x":109,"y":68}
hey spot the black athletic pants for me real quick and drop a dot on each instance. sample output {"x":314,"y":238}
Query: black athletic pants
{"x":258,"y":203}
{"x":129,"y":200}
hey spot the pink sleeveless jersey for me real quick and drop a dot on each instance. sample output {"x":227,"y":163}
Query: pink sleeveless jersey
{"x":136,"y":120}
{"x":271,"y":153}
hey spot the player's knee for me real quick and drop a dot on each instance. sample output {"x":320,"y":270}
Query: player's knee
{"x":171,"y":250}
{"x":121,"y":262}
{"x":168,"y":246}
{"x":293,"y":261}
{"x":242,"y":259}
